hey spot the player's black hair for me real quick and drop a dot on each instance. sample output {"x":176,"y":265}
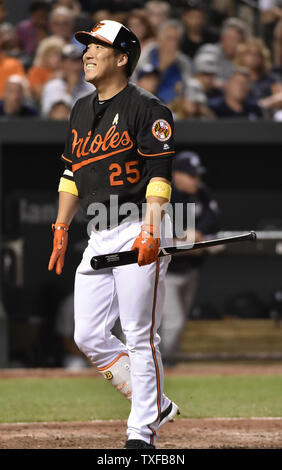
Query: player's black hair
{"x":39,"y":5}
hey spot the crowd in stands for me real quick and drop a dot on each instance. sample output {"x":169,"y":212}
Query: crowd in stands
{"x":204,"y":59}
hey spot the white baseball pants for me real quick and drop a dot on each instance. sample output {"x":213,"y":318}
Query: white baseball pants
{"x":136,"y":295}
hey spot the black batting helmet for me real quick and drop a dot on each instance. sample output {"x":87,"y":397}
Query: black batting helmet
{"x":118,"y":36}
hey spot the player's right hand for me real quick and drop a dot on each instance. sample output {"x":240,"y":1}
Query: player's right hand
{"x":60,"y":244}
{"x":147,"y":245}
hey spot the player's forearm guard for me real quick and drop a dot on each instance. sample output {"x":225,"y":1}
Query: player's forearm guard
{"x":159,"y":189}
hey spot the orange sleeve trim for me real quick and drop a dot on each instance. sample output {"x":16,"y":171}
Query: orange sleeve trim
{"x":154,"y":154}
{"x":100,"y":369}
{"x":66,"y":159}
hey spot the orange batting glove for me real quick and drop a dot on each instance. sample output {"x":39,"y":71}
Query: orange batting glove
{"x":147,"y":245}
{"x":60,"y":244}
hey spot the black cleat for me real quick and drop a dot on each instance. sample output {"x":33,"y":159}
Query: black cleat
{"x":137,"y":444}
{"x":169,"y":413}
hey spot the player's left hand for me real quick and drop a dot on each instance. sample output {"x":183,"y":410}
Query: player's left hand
{"x":147,"y":245}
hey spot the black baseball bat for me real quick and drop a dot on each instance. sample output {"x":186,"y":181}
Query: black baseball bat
{"x":121,"y":258}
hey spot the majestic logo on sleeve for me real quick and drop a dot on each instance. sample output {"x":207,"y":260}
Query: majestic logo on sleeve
{"x":161,"y":129}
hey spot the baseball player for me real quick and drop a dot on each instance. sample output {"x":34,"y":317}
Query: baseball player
{"x":120,"y":143}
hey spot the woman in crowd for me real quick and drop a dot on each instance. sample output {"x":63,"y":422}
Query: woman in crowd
{"x":255,"y":56}
{"x":46,"y":65}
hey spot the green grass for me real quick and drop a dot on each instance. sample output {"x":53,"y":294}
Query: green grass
{"x":75,"y":399}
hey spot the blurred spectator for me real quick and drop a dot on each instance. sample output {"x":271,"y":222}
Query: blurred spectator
{"x":220,"y":10}
{"x":73,"y":5}
{"x":71,"y":83}
{"x":83,"y":20}
{"x":235,"y":103}
{"x":191,"y":102}
{"x":165,"y":55}
{"x":60,"y":109}
{"x":196,"y":31}
{"x":139,"y":23}
{"x":255,"y":56}
{"x":8,"y":40}
{"x":101,"y":10}
{"x":232,"y":34}
{"x":62,"y":23}
{"x":272,"y":105}
{"x":120,"y":10}
{"x":8,"y":65}
{"x":10,"y":44}
{"x":247,"y":10}
{"x":184,"y":271}
{"x":148,"y":78}
{"x":3,"y":11}
{"x":157,"y":13}
{"x":271,"y":19}
{"x":13,"y":100}
{"x":31,"y":31}
{"x":193,"y":98}
{"x":205,"y":69}
{"x":46,"y":66}
{"x":116,"y":10}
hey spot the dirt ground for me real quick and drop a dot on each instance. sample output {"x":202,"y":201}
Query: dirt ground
{"x":252,"y":433}
{"x":218,"y":433}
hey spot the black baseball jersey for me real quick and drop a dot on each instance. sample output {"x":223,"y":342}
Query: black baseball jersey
{"x":115,"y":147}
